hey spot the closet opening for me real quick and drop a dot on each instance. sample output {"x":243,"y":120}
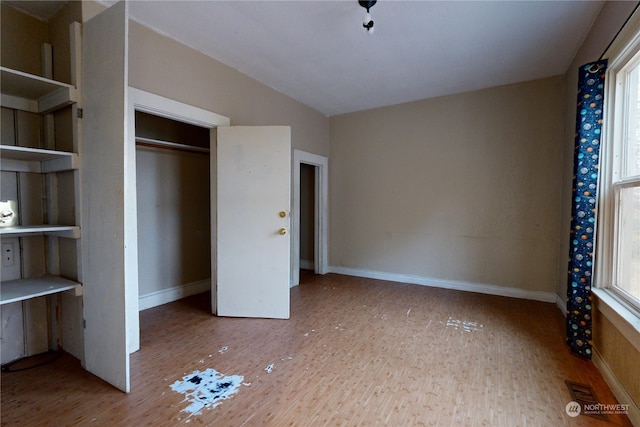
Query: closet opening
{"x":173,"y":210}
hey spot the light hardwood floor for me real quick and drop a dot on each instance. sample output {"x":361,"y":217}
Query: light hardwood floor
{"x":356,"y":352}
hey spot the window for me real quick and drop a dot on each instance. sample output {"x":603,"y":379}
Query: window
{"x":619,"y":235}
{"x":626,"y":183}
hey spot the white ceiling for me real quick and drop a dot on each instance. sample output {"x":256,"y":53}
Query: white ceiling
{"x":318,"y":52}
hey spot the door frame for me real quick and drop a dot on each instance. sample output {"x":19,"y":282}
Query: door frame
{"x":139,"y":100}
{"x":321,"y":223}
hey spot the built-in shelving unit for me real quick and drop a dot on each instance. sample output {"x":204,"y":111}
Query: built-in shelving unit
{"x":35,"y":94}
{"x":27,"y":92}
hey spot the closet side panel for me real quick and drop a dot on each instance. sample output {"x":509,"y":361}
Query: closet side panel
{"x":104,"y":100}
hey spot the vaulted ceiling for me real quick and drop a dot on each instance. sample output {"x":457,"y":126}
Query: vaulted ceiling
{"x":319,"y":53}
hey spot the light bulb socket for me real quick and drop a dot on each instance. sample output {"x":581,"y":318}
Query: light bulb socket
{"x":368,"y":22}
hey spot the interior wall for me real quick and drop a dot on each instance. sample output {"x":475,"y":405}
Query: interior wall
{"x":174,"y":247}
{"x":20,"y":48}
{"x":307,"y":214}
{"x":162,"y":66}
{"x":612,"y":346}
{"x":462,"y":187}
{"x":59,"y":35}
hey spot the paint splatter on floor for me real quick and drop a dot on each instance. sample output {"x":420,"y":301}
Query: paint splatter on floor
{"x":269,"y":368}
{"x":206,"y":389}
{"x":223,"y":349}
{"x":463,"y":325}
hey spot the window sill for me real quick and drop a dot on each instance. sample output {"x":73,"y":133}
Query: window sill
{"x":625,"y":319}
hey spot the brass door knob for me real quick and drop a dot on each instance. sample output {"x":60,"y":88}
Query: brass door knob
{"x":283,"y":231}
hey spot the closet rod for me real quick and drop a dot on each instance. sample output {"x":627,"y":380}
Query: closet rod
{"x":156,"y":143}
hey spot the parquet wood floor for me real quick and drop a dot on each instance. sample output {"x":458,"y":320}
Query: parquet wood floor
{"x":356,"y":352}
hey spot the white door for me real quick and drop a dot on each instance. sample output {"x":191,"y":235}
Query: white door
{"x":253,"y":218}
{"x":109,"y":259}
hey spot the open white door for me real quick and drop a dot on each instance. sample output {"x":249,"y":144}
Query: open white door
{"x":109,"y":257}
{"x":253,"y":218}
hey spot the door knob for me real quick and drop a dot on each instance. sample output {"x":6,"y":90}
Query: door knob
{"x":283,"y":231}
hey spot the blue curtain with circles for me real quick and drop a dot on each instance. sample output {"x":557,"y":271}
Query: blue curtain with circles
{"x":583,"y":213}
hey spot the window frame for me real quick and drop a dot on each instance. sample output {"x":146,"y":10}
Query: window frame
{"x":622,"y":53}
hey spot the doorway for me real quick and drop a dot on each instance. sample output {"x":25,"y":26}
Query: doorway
{"x":307,"y":216}
{"x":310,"y":209}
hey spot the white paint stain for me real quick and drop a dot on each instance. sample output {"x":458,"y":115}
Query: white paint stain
{"x":206,"y":389}
{"x":408,"y":311}
{"x":463,"y":325}
{"x":223,"y":349}
{"x":269,"y":368}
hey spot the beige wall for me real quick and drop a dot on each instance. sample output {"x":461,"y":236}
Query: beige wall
{"x":21,"y":49}
{"x":162,"y":66}
{"x":463,"y":187}
{"x":174,"y":247}
{"x":612,"y":346}
{"x":59,"y":33}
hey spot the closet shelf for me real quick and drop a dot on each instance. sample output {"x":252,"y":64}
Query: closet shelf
{"x":24,"y":159}
{"x":28,"y":92}
{"x":67,"y":231}
{"x":22,"y":289}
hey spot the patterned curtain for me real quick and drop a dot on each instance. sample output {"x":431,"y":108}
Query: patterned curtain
{"x":583,"y":214}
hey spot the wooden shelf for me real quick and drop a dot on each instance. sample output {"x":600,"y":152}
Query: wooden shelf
{"x":22,"y":289}
{"x":24,"y":159}
{"x":68,"y":231}
{"x":28,"y":92}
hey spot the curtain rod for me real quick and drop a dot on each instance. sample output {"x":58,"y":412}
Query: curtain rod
{"x":635,"y":9}
{"x":157,"y":143}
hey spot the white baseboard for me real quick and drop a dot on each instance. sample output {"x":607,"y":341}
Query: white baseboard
{"x":617,"y":388}
{"x":165,"y":296}
{"x":561,"y":303}
{"x":447,"y":284}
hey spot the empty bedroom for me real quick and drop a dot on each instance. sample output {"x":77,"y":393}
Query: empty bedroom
{"x":320,"y":213}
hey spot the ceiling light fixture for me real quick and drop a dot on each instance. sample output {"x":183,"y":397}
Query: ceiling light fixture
{"x":368,"y":22}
